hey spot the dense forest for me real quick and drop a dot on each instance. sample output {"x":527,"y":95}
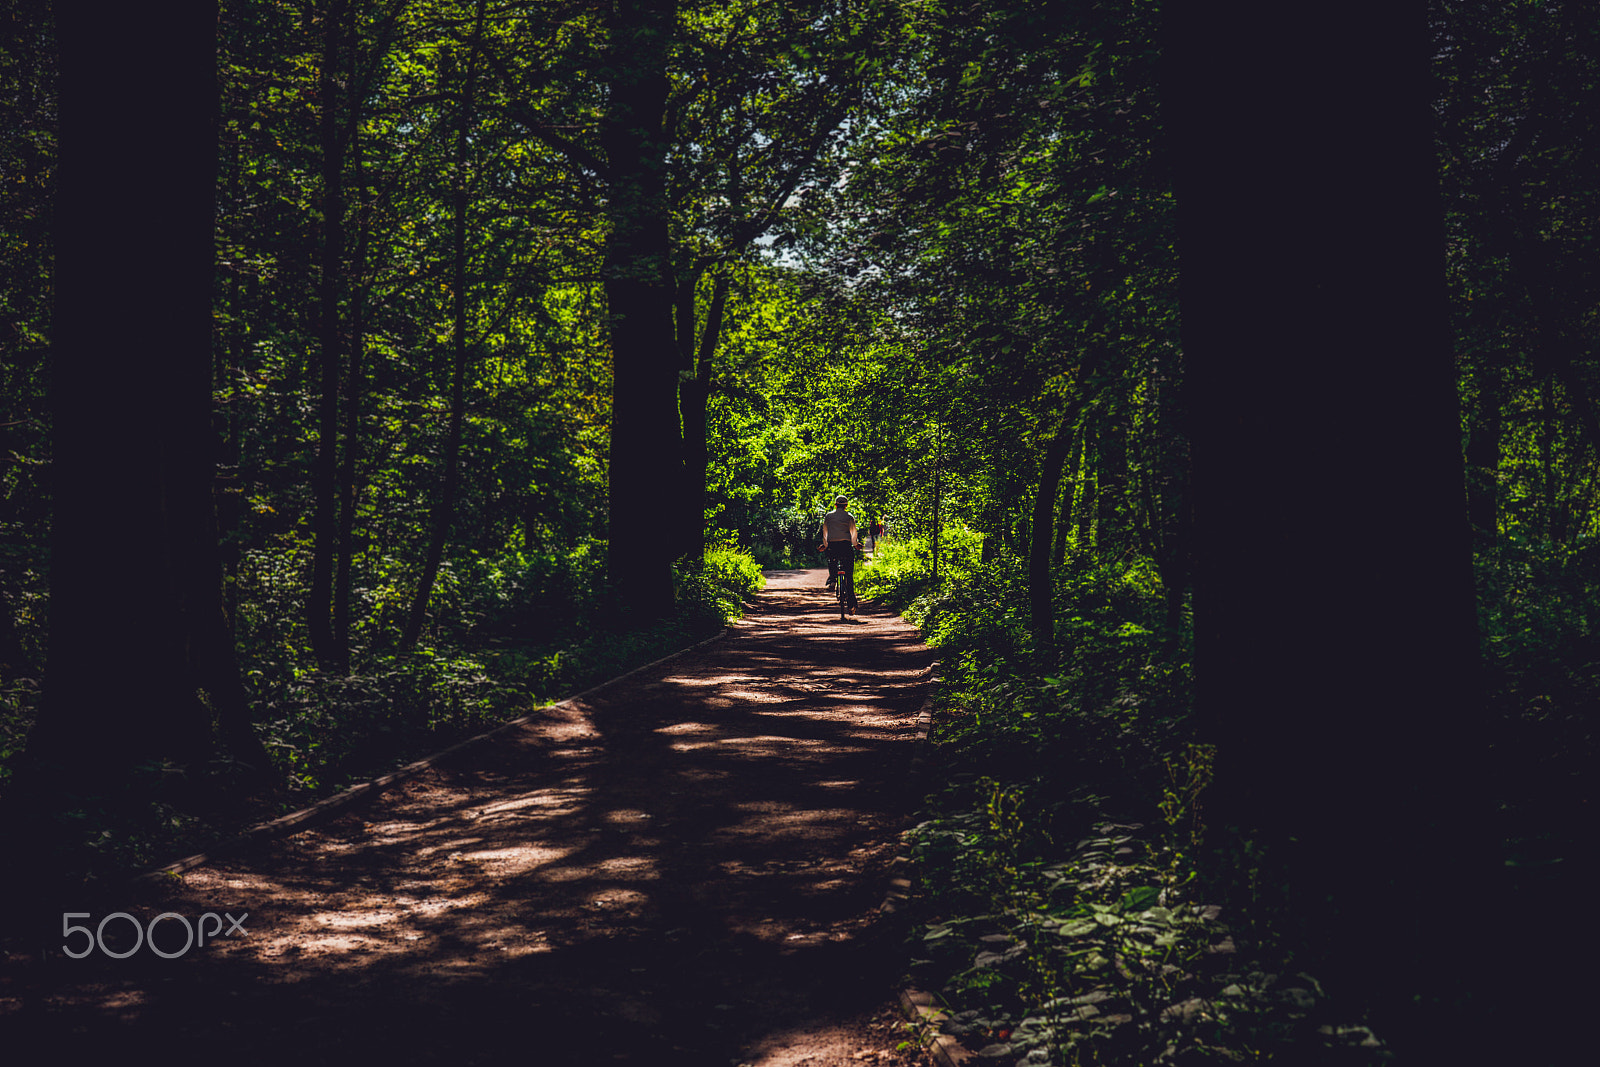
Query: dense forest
{"x":374,"y":371}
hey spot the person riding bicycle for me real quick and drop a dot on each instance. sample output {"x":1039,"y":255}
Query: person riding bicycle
{"x":838,"y":536}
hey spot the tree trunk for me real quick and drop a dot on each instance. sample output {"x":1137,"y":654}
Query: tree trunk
{"x":231,"y":357}
{"x":1333,"y":663}
{"x":1087,"y":483}
{"x":694,"y":394}
{"x":136,"y":620}
{"x":354,"y":384}
{"x":1063,"y":532}
{"x":325,"y":464}
{"x":645,"y":465}
{"x":458,"y":365}
{"x":1040,"y":586}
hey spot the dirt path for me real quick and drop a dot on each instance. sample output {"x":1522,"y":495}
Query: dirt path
{"x":684,"y":869}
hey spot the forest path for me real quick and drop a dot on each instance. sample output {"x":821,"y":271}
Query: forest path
{"x":683,"y":868}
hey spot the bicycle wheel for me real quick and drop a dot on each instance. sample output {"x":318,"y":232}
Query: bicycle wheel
{"x":840,"y":585}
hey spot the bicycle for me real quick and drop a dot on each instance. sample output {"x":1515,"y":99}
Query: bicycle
{"x":845,"y":586}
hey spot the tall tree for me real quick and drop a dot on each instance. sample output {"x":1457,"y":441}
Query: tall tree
{"x":136,"y":620}
{"x":645,"y":466}
{"x":331,"y":98}
{"x":460,"y":298}
{"x":1333,"y":665}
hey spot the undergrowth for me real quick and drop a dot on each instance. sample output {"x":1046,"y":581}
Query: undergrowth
{"x":506,"y":635}
{"x":1061,"y":916}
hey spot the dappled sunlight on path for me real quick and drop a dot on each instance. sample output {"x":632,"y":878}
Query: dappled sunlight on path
{"x":672,"y":869}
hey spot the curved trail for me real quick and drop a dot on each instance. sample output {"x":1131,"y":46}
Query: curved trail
{"x":684,"y":868}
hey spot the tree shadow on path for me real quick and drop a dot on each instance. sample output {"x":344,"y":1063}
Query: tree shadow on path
{"x":677,"y":868}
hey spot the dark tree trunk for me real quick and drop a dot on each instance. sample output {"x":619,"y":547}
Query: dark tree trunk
{"x":1063,"y":532}
{"x":1333,"y":661}
{"x":136,"y":617}
{"x":1040,"y":586}
{"x":325,"y":464}
{"x":645,"y":464}
{"x":1088,"y":491}
{"x":458,"y":365}
{"x":694,"y":393}
{"x":230,"y":500}
{"x":353,"y":388}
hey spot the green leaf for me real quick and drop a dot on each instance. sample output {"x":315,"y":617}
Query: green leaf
{"x":1139,"y":899}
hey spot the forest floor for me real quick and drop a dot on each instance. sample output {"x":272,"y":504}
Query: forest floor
{"x":681,"y":868}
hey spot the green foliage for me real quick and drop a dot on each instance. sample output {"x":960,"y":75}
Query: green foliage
{"x":1110,"y":706}
{"x":1057,"y":930}
{"x":519,"y":630}
{"x":1189,"y":774}
{"x":900,"y":572}
{"x":714,"y":588}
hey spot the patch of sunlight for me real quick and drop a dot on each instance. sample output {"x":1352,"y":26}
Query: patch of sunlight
{"x":547,"y":801}
{"x":453,"y":845}
{"x":347,"y":920}
{"x":768,"y":741}
{"x":619,"y":897}
{"x":765,"y":807}
{"x":521,"y":857}
{"x":528,"y":948}
{"x":335,"y":943}
{"x":634,"y":866}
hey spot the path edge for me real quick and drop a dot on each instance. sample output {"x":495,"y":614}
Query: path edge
{"x":326,"y":808}
{"x":919,"y":1007}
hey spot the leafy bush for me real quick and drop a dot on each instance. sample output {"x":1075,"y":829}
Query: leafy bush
{"x":1055,"y":922}
{"x":902,"y":569}
{"x":734,"y":569}
{"x":779,"y":537}
{"x":505,"y":633}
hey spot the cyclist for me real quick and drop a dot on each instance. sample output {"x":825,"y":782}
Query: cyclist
{"x":839,"y":535}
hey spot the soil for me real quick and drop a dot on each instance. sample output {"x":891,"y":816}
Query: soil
{"x":685,"y":867}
